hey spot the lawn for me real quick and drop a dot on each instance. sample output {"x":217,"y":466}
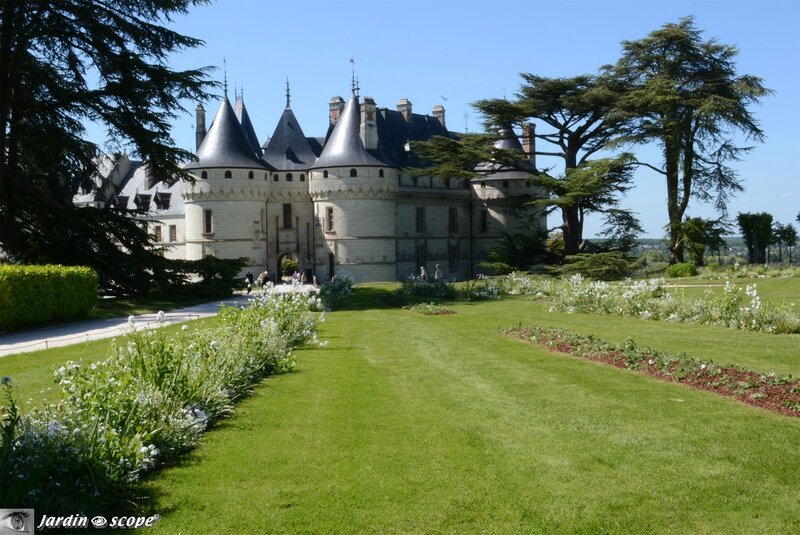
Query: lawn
{"x":408,"y":424}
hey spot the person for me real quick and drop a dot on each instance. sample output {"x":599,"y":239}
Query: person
{"x":438,"y":275}
{"x":263,"y":278}
{"x":249,"y":278}
{"x":423,"y":274}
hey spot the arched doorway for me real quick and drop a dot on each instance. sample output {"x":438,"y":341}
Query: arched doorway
{"x":288,"y":264}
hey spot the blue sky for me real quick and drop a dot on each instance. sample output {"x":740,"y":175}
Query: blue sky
{"x":453,"y":52}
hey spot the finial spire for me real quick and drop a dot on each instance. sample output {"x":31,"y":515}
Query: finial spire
{"x":225,"y":82}
{"x":288,"y":93}
{"x":354,"y":83}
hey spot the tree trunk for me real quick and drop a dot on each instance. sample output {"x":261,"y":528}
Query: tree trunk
{"x":571,"y":229}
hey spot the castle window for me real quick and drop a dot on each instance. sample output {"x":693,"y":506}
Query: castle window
{"x":208,"y":222}
{"x":452,"y":220}
{"x":250,"y":175}
{"x":483,"y":184}
{"x":228,"y":174}
{"x":353,"y":172}
{"x":420,"y":219}
{"x":266,"y":176}
{"x":452,"y":257}
{"x":158,"y":233}
{"x":380,"y":173}
{"x":413,"y":181}
{"x":325,"y":174}
{"x":329,"y":219}
{"x":287,"y":216}
{"x":505,"y":183}
{"x":484,"y":221}
{"x":289,"y":177}
{"x":173,"y":233}
{"x":275,"y":177}
{"x":204,"y":174}
{"x":302,"y":177}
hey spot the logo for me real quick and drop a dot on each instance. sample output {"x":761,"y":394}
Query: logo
{"x":99,"y":522}
{"x":16,"y":521}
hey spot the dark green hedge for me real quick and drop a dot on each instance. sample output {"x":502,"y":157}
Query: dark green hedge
{"x":35,"y":295}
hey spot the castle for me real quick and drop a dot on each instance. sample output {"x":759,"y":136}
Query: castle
{"x":345,"y":202}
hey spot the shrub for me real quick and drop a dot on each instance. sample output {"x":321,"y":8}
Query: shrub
{"x":612,"y":265}
{"x":35,"y":295}
{"x":335,"y":292}
{"x":683,"y":269}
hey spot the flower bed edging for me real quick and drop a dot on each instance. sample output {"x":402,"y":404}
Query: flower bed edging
{"x":769,"y":391}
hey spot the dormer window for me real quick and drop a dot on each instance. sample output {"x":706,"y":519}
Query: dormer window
{"x":228,"y":174}
{"x":353,"y":172}
{"x":121,"y":202}
{"x":250,"y":175}
{"x":162,"y":199}
{"x":204,"y":175}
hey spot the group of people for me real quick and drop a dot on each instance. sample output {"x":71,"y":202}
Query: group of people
{"x":438,"y":274}
{"x":263,"y":278}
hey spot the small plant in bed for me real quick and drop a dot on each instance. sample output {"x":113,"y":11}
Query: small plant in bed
{"x":430,"y":309}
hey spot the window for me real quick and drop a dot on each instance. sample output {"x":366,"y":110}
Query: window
{"x":158,"y":233}
{"x":325,"y":174}
{"x":173,"y":233}
{"x":422,"y":255}
{"x":505,"y":183}
{"x":329,"y":219}
{"x":447,"y":182}
{"x":452,"y":220}
{"x":420,"y":219}
{"x":204,"y":174}
{"x":275,"y":177}
{"x":228,"y":174}
{"x":289,"y":177}
{"x":484,"y":221}
{"x":266,"y":176}
{"x":302,"y":177}
{"x":250,"y":175}
{"x":353,"y":172}
{"x":287,"y":216}
{"x":452,"y":257}
{"x":413,"y":181}
{"x":483,"y":184}
{"x":380,"y":173}
{"x":208,"y":222}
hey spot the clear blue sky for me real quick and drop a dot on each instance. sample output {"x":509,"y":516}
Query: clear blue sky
{"x":464,"y":50}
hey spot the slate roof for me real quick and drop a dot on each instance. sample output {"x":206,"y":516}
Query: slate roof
{"x":226,"y":144}
{"x":247,"y":126}
{"x":394,"y":132}
{"x":508,"y":141}
{"x":289,"y":149}
{"x":344,"y":147}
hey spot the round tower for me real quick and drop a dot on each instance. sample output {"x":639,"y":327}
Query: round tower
{"x":354,"y":192}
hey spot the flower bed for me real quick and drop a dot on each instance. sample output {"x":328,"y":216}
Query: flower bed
{"x":768,"y":391}
{"x":146,"y":404}
{"x":430,"y":309}
{"x":736,"y":307}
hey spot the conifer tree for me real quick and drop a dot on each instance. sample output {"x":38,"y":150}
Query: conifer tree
{"x":64,"y":63}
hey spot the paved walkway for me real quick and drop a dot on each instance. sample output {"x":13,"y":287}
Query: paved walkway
{"x":84,"y":331}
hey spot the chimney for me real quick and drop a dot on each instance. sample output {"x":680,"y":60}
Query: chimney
{"x":404,"y":107}
{"x":336,"y":106}
{"x":438,"y":113}
{"x":369,"y":129}
{"x":200,"y":130}
{"x":529,"y":142}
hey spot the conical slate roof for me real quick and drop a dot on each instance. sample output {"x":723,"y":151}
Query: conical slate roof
{"x":508,"y":141}
{"x":247,"y":126}
{"x":288,"y":149}
{"x":226,"y":144}
{"x":344,"y":148}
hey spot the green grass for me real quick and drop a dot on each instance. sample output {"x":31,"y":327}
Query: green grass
{"x":779,"y":290}
{"x":120,"y":307}
{"x":435,"y":424}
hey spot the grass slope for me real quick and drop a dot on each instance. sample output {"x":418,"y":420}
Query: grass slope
{"x":410,"y":424}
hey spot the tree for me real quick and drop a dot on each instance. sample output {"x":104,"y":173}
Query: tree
{"x":700,"y":234}
{"x":50,"y":55}
{"x":757,"y":233}
{"x":576,"y":125}
{"x":685,"y":94}
{"x":790,"y":238}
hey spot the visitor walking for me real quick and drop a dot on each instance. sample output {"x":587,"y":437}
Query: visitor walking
{"x":438,"y":275}
{"x":423,"y":274}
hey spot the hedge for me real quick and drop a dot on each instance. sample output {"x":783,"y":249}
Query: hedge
{"x":35,"y":295}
